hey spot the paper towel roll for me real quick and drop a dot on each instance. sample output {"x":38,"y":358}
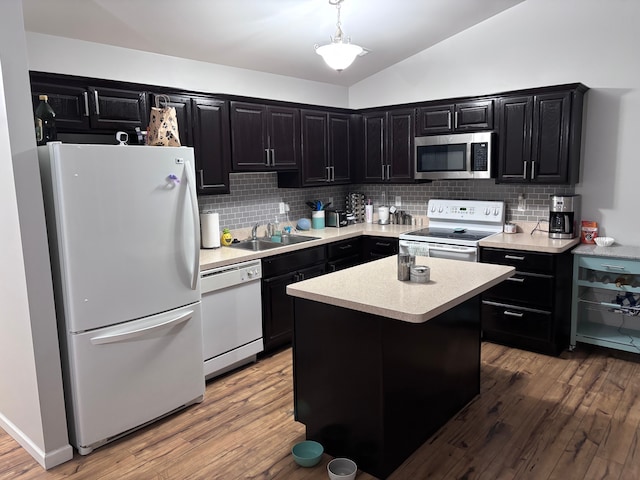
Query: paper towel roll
{"x":210,"y":229}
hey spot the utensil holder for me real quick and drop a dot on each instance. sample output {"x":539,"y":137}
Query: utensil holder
{"x":317,"y":220}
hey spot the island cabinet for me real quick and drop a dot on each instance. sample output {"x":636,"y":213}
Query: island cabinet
{"x":467,"y":116}
{"x":606,"y":298}
{"x":326,"y":151}
{"x":83,"y":104}
{"x":279,"y":271}
{"x":540,"y":136}
{"x":531,"y":309}
{"x":388,"y":146}
{"x":264,"y":137}
{"x":379,"y":365}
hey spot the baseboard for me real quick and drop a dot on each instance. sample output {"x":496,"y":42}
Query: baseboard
{"x":48,"y":459}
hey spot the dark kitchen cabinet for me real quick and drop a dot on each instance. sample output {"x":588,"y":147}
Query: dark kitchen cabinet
{"x":326,"y":151}
{"x":539,"y":136}
{"x":388,"y":154}
{"x":374,"y":248}
{"x":460,"y":117}
{"x":277,"y":307}
{"x":84,"y":105}
{"x":344,"y":254}
{"x":212,"y":145}
{"x":264,"y":138}
{"x":532,"y":308}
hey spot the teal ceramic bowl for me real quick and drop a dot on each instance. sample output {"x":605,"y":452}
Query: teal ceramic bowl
{"x":307,"y":453}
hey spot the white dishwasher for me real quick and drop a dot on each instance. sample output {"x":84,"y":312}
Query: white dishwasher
{"x":231,"y":316}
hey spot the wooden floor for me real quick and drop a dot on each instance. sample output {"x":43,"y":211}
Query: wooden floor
{"x":537,"y":417}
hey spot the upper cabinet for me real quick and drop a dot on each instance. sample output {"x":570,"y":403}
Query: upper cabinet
{"x":539,"y":136}
{"x":438,"y":118}
{"x":212,"y":143}
{"x":264,"y":137}
{"x":87,"y":105}
{"x":326,"y":151}
{"x":388,"y":143}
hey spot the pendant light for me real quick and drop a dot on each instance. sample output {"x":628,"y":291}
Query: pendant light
{"x":340,"y":53}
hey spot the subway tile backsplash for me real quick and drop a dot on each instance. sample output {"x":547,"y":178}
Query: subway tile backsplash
{"x":255,"y":198}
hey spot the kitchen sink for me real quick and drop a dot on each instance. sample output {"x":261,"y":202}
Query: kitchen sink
{"x":256,"y":245}
{"x":291,"y":239}
{"x":260,"y":244}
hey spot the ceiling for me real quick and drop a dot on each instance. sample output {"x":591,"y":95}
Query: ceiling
{"x":274,"y":36}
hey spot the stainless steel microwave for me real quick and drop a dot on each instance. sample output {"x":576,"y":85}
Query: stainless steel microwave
{"x":454,"y":157}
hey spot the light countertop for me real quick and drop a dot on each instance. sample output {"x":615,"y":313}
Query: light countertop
{"x":614,"y":251}
{"x":373,"y":287}
{"x":220,"y":257}
{"x":523,"y":239}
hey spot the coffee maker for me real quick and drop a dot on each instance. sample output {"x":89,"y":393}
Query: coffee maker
{"x":564,"y":216}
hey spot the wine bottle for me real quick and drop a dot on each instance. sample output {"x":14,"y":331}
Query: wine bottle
{"x":45,"y":122}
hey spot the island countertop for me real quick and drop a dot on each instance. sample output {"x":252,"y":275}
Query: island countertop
{"x":373,"y":287}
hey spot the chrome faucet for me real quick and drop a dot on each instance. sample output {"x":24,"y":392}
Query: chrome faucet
{"x":254,"y":231}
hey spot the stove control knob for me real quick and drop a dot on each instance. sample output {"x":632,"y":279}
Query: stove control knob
{"x":487,"y":211}
{"x":433,"y":207}
{"x":496,"y":211}
{"x":440,"y":209}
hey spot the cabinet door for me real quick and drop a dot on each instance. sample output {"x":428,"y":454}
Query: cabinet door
{"x":114,"y":109}
{"x":435,"y":119}
{"x":400,"y":142}
{"x":550,"y":145}
{"x":379,"y":247}
{"x":374,"y":147}
{"x":314,"y":148}
{"x":340,"y":148}
{"x":212,"y":148}
{"x":182,"y":104}
{"x":283,"y":137}
{"x":277,"y":306}
{"x":516,"y":116}
{"x":70,"y":103}
{"x":473,"y":116}
{"x":248,"y":136}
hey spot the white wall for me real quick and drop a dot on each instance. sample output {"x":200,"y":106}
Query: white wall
{"x":73,"y":57}
{"x":31,"y":393}
{"x":547,"y":42}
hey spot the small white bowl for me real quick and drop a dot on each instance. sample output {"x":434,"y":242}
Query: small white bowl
{"x":342,"y":469}
{"x":604,"y":241}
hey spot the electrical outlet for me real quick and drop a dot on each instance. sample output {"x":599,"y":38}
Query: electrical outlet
{"x":281,"y":206}
{"x":398,"y":201}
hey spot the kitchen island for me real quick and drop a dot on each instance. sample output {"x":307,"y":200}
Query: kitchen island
{"x":380,"y":364}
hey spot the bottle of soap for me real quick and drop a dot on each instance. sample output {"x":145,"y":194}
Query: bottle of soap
{"x":277,"y":233}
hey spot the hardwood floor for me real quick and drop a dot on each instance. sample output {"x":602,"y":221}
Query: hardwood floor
{"x":537,"y":417}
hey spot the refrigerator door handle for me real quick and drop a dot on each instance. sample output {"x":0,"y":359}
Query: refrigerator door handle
{"x":191,"y":183}
{"x":139,"y":332}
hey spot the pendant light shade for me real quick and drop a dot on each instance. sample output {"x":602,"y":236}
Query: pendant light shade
{"x":339,"y":54}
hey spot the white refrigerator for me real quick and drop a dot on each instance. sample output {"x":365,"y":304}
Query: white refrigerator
{"x":123,"y":230}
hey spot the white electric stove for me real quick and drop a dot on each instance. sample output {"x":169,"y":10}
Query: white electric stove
{"x":455,"y":229}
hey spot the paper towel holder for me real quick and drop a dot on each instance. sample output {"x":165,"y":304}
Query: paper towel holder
{"x":210,"y":229}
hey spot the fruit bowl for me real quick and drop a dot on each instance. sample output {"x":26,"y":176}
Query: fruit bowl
{"x":604,"y":241}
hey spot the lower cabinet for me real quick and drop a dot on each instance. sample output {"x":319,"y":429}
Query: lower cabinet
{"x":606,"y":300}
{"x":532,"y":308}
{"x":374,"y":248}
{"x":344,"y":254}
{"x":277,"y":307}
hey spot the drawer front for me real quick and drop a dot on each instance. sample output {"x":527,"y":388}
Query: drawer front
{"x":290,"y":262}
{"x":527,"y":289}
{"x":344,"y":248}
{"x":520,"y":322}
{"x":608,"y":264}
{"x":523,"y":261}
